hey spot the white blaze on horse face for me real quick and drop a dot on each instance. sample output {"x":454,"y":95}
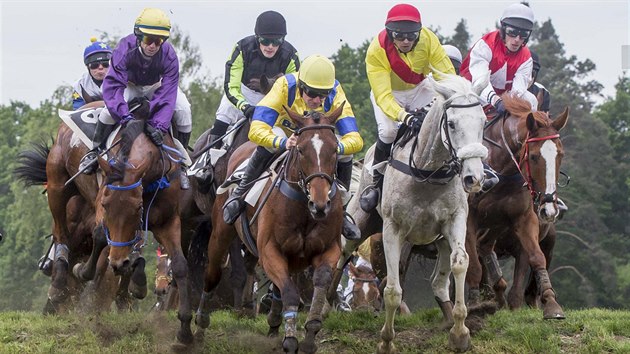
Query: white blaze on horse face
{"x":366,"y":289}
{"x":317,"y":145}
{"x":549,"y":152}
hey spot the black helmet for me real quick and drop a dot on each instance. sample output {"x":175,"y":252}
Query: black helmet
{"x":270,"y":24}
{"x":535,"y":60}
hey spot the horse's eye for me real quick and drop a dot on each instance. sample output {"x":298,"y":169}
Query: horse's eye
{"x":535,"y":158}
{"x":451,"y":125}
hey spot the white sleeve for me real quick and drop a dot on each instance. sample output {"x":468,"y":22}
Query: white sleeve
{"x":521,"y":77}
{"x":479,"y":66}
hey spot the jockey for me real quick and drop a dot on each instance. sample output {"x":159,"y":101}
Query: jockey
{"x":313,"y":88}
{"x":264,"y":53}
{"x":145,"y":64}
{"x":397,"y":61}
{"x":535,"y":87}
{"x":88,"y":88}
{"x":505,"y":54}
{"x":455,"y":55}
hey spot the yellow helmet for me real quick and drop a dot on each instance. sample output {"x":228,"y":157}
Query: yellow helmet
{"x":317,"y":72}
{"x":154,"y":22}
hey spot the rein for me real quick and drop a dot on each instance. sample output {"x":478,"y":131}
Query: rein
{"x":537,"y":197}
{"x":452,"y":167}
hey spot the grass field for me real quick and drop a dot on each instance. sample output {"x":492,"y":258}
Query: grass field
{"x":523,"y":331}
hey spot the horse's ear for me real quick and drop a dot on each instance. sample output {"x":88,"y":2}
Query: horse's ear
{"x":295,"y":117}
{"x":481,"y":84}
{"x":104,"y":165}
{"x":531,"y":122}
{"x":332,"y":117}
{"x":561,"y":121}
{"x":441,"y":89}
{"x":352,"y":269}
{"x":265,"y":86}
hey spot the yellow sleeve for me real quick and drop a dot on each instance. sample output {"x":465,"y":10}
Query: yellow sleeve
{"x":351,"y":140}
{"x":439,"y":61}
{"x":379,"y":76}
{"x":232,"y":84}
{"x":266,"y":115}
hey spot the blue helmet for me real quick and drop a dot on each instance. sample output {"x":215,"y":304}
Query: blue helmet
{"x":97,"y":51}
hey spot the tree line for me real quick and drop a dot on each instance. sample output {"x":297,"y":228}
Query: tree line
{"x":590,"y":267}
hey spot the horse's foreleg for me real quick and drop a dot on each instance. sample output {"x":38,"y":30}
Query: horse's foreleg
{"x":220,"y":240}
{"x":392,"y":245}
{"x":238,"y":275}
{"x":459,"y":336}
{"x":170,"y":237}
{"x":528,"y":236}
{"x":474,"y":272}
{"x":440,"y":282}
{"x":86,"y":271}
{"x":138,"y":284}
{"x":521,"y":267}
{"x":58,"y":198}
{"x":321,"y":280}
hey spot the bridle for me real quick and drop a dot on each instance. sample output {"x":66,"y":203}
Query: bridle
{"x":303,"y":181}
{"x":537,"y":197}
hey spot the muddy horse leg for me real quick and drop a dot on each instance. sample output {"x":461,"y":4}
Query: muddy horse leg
{"x":392,"y":295}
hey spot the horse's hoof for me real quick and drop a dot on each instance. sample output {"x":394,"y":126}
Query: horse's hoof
{"x":290,"y":345}
{"x":202,"y":321}
{"x":76,"y":271}
{"x":57,"y":295}
{"x":178,"y":347}
{"x":386,"y":348}
{"x":200,"y":334}
{"x":459,"y":343}
{"x":185,"y":337}
{"x":552,"y":310}
{"x":138,"y":291}
{"x":273,"y":331}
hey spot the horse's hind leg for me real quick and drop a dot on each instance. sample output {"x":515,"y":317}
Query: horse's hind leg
{"x":274,"y":317}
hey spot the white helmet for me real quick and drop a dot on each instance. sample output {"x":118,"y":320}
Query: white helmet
{"x":518,"y":15}
{"x":452,"y":52}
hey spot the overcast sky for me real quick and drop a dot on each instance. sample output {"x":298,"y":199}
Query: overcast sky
{"x":42,"y":42}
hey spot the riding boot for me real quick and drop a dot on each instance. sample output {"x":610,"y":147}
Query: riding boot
{"x":344,"y":175}
{"x":184,"y":182}
{"x":205,"y":176}
{"x":235,"y":204}
{"x":491,"y":179}
{"x":372,"y":193}
{"x":562,"y":208}
{"x":88,"y":162}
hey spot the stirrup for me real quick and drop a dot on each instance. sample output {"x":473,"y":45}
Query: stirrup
{"x":88,"y":162}
{"x":349,"y":229}
{"x":370,"y":197}
{"x":490,"y":181}
{"x":232,"y":209}
{"x":204,"y":178}
{"x":184,"y":182}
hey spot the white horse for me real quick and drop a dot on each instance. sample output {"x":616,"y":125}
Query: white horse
{"x":423,"y":201}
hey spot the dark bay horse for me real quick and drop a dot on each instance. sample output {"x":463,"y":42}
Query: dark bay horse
{"x":526,"y":151}
{"x":298,"y":226}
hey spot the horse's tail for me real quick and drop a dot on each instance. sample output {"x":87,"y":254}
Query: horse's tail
{"x":31,"y":165}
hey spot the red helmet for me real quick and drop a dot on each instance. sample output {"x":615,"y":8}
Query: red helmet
{"x":403,"y":18}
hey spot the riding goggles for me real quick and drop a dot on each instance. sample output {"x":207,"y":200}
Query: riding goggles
{"x":95,"y":65}
{"x":268,"y":41}
{"x":148,"y":40}
{"x":514,"y":32}
{"x":401,"y":36}
{"x":313,"y":93}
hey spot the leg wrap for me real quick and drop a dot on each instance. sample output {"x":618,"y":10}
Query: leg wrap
{"x":543,"y":282}
{"x":493,"y":270}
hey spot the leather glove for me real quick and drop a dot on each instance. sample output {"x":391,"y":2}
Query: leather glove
{"x":499,"y":107}
{"x":414,"y":120}
{"x":154,"y":134}
{"x":126,"y":119}
{"x":248,"y":110}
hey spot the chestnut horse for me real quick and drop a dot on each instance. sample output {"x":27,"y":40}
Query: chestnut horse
{"x":142,"y":193}
{"x":299,"y":225}
{"x":526,"y":151}
{"x":72,"y":205}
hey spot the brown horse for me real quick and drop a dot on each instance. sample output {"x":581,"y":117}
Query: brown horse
{"x":73,"y":211}
{"x":365,"y":291}
{"x":142,"y":193}
{"x":299,"y":225}
{"x":526,"y":151}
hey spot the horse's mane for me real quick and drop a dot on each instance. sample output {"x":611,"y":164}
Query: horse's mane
{"x":521,"y":108}
{"x":456,"y":83}
{"x":127,"y":137}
